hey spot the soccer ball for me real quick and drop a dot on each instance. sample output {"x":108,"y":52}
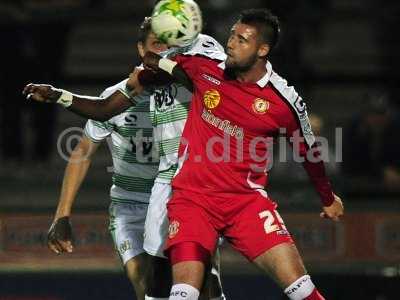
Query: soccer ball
{"x":176,"y":22}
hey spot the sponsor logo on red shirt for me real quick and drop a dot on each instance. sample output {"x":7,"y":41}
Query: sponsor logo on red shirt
{"x":224,"y":125}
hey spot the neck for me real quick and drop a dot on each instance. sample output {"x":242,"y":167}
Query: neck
{"x":254,"y":74}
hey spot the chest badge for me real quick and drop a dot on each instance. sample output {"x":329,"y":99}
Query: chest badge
{"x":211,"y":99}
{"x":260,"y":106}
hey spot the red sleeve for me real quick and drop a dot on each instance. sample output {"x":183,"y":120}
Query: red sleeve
{"x":189,"y":63}
{"x":310,"y":155}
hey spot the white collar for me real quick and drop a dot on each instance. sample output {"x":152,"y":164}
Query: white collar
{"x":264,"y":80}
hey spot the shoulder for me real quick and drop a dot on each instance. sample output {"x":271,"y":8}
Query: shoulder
{"x":112,"y":89}
{"x":139,"y":99}
{"x":204,"y":46}
{"x":294,"y":107}
{"x":287,"y":93}
{"x":205,"y":42}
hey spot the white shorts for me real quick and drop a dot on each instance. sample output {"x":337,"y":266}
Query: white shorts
{"x":156,"y":225}
{"x":127,"y":228}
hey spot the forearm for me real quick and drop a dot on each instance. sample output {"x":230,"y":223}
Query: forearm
{"x":85,"y":106}
{"x":100,"y":110}
{"x":177,"y":72}
{"x":156,"y":63}
{"x":74,"y":175}
{"x":180,"y":76}
{"x":317,"y":175}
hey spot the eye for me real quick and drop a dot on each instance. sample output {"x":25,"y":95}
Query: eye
{"x":231,"y":38}
{"x":157,"y":44}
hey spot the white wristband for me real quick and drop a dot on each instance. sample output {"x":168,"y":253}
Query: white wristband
{"x":167,"y":65}
{"x":65,"y":98}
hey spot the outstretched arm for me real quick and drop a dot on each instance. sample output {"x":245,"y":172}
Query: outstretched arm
{"x":60,"y":233}
{"x":84,"y":106}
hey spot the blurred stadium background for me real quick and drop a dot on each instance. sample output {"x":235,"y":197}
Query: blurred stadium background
{"x":342,"y":56}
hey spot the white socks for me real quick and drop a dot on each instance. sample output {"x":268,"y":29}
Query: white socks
{"x":183,"y":292}
{"x":153,"y":298}
{"x":300,"y":289}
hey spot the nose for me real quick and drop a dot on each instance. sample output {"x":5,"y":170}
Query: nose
{"x":230,"y":43}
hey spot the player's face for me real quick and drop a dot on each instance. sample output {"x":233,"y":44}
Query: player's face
{"x":151,"y":44}
{"x":242,"y":47}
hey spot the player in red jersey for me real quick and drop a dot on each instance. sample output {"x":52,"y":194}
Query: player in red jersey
{"x":239,"y":104}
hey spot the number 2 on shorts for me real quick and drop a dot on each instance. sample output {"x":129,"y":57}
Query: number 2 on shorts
{"x":269,"y":225}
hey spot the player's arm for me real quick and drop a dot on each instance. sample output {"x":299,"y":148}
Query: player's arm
{"x":312,"y":161}
{"x":84,"y":106}
{"x":184,"y":66}
{"x":156,"y":63}
{"x":60,"y":233}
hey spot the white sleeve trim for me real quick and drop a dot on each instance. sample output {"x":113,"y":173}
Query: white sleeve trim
{"x":96,"y":133}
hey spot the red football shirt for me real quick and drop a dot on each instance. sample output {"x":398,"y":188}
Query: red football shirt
{"x":227,"y":141}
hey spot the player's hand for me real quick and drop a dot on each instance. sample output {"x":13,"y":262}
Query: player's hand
{"x":334,"y":211}
{"x":59,"y":237}
{"x":41,"y":93}
{"x":150,"y":61}
{"x":133,"y":83}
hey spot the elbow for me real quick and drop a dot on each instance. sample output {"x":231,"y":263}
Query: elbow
{"x":79,"y":154}
{"x":110,"y":107}
{"x":102,"y":118}
{"x":108,"y":115}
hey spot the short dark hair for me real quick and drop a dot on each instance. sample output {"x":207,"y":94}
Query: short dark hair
{"x":265,"y":22}
{"x":144,"y":30}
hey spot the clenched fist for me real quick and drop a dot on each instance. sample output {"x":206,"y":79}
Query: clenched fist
{"x":150,"y":61}
{"x":59,"y":237}
{"x":334,"y":211}
{"x":41,"y":93}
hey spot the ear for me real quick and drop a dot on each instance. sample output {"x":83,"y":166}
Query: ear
{"x":263,"y":50}
{"x":141,"y":50}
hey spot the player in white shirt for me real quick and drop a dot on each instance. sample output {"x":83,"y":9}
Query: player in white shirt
{"x":133,"y":176}
{"x":168,"y":111}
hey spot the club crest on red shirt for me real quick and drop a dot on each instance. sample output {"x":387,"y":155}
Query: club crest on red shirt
{"x":260,"y":106}
{"x":173,"y":229}
{"x":211,"y":99}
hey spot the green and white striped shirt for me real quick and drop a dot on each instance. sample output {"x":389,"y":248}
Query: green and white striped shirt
{"x":134,"y":160}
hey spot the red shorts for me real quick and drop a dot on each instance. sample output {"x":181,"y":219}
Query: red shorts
{"x":250,"y":223}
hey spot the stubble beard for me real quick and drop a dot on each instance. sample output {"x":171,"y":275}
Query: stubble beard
{"x":237,"y":68}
